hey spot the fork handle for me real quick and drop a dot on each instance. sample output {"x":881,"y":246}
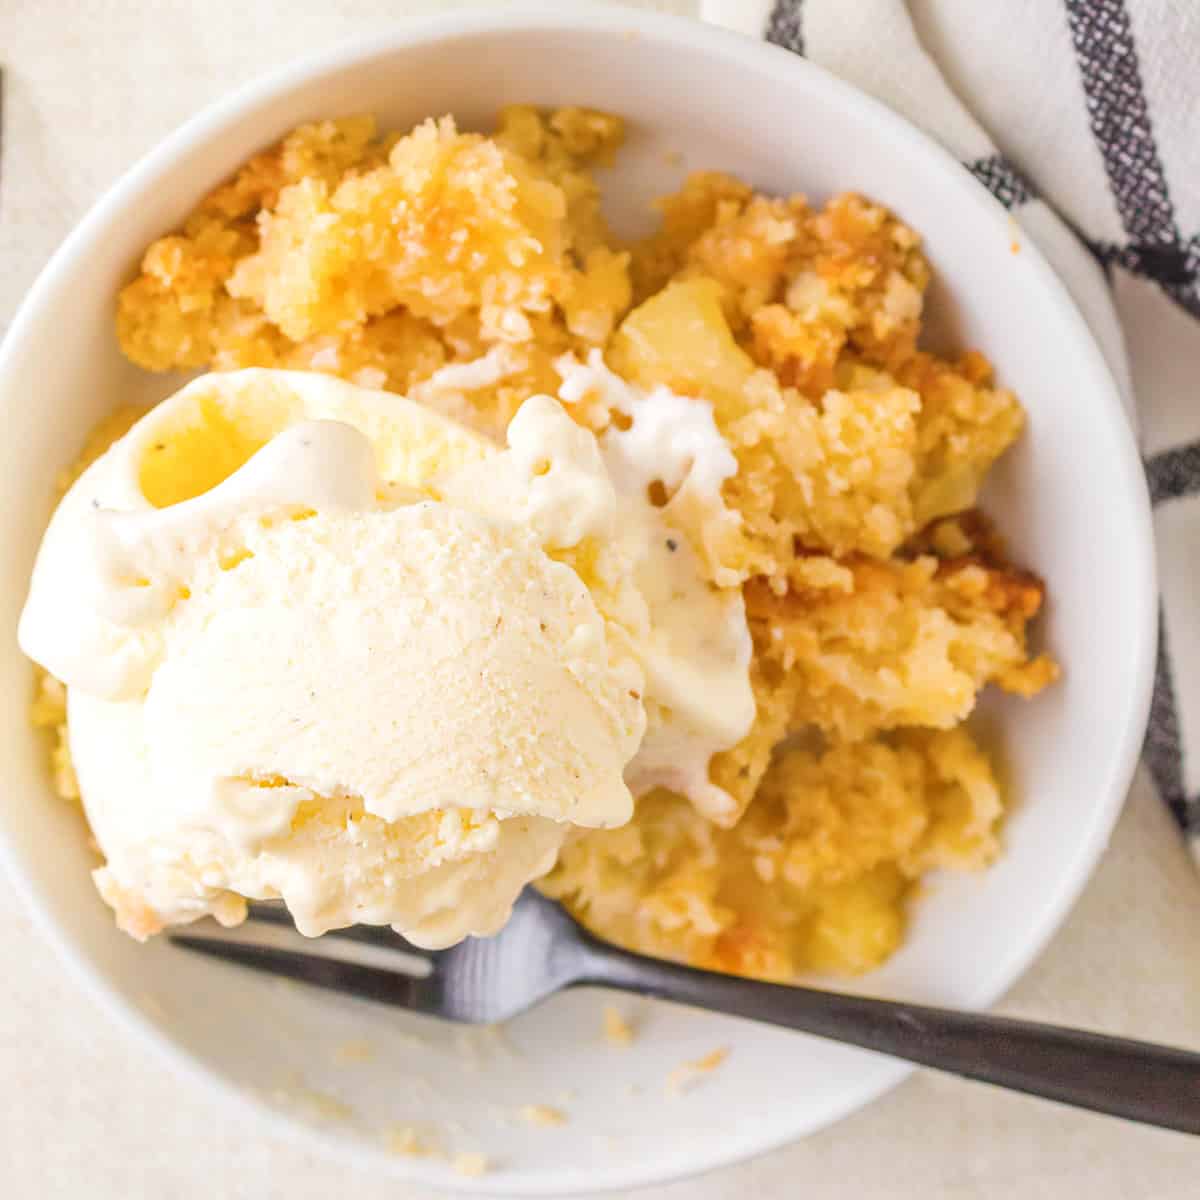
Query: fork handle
{"x":1142,"y":1081}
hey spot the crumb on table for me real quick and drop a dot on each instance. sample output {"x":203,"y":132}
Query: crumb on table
{"x":408,"y":1142}
{"x":617,"y":1030}
{"x":687,"y":1074}
{"x":470,"y":1163}
{"x":355,"y":1050}
{"x":542,"y":1115}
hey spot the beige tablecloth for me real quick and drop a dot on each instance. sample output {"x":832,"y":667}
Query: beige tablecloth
{"x":89,"y":85}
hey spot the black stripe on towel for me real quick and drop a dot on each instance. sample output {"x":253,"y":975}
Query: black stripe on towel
{"x":1003,"y":180}
{"x":1164,"y":748}
{"x":785,"y":26}
{"x":1120,"y":119}
{"x":1174,"y":266}
{"x":1171,"y":474}
{"x":1174,"y":473}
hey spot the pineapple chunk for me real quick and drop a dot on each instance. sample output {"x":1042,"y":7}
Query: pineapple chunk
{"x":680,"y":338}
{"x":858,"y":924}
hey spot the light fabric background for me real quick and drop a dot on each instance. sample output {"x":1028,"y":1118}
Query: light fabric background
{"x":89,"y":86}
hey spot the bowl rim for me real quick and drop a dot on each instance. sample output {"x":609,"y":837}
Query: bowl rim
{"x":586,"y":17}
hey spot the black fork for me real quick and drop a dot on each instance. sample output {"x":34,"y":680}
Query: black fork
{"x":542,"y":950}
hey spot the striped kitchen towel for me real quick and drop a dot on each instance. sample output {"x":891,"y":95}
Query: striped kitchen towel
{"x":1083,"y":118}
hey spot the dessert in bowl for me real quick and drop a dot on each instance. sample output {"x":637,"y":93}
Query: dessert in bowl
{"x":815,"y":469}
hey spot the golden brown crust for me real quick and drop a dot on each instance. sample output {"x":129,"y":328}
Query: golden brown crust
{"x":880,"y":645}
{"x":815,"y":875}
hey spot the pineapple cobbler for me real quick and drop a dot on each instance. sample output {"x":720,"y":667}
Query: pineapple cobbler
{"x":492,"y":549}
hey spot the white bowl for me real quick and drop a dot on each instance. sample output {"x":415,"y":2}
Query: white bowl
{"x":1071,"y":498}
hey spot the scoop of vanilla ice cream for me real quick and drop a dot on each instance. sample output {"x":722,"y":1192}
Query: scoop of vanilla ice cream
{"x":298,"y":666}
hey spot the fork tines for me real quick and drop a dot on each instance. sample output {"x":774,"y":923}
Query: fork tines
{"x":371,"y":963}
{"x":386,"y":985}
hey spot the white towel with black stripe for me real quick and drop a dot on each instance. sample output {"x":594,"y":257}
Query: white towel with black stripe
{"x":1083,"y":118}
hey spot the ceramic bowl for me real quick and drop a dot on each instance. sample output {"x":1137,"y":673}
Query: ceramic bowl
{"x":1070,"y":497}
